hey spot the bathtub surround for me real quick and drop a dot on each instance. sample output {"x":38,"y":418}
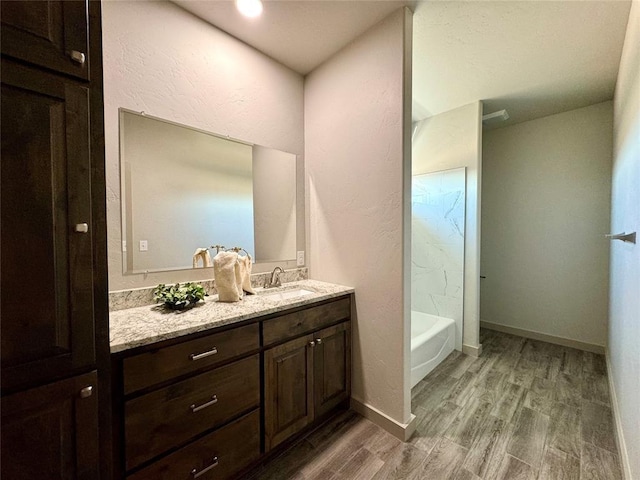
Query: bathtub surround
{"x":139,"y":297}
{"x":357,"y":153}
{"x":546,"y":201}
{"x":229,"y":88}
{"x":624,"y":301}
{"x":454,"y":140}
{"x":437,"y":250}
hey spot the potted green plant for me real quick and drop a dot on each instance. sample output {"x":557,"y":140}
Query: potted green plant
{"x":179,"y":296}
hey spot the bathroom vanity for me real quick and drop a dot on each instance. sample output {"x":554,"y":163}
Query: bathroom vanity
{"x":210,"y":392}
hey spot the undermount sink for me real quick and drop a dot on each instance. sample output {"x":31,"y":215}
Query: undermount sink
{"x":286,"y":294}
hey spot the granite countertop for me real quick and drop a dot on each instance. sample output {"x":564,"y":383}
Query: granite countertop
{"x":135,"y":327}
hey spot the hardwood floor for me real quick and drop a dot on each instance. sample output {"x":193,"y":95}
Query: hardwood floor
{"x":524,"y":410}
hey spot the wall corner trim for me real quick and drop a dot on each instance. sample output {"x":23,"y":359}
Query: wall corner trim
{"x":617,"y":421}
{"x":472,"y":350}
{"x":401,"y":431}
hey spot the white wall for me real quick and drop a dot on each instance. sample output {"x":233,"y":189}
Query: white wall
{"x":162,"y":60}
{"x":451,"y":140}
{"x":545,"y":210}
{"x":624,"y":310}
{"x":356,"y":121}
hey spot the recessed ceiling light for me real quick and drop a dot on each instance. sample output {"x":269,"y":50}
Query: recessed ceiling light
{"x":249,"y":8}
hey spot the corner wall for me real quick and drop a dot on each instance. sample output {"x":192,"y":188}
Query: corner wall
{"x":357,"y":127}
{"x":164,"y":61}
{"x":449,"y":140}
{"x":546,"y":199}
{"x":624,"y":290}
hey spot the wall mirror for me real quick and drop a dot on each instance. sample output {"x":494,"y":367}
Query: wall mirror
{"x":184,"y":189}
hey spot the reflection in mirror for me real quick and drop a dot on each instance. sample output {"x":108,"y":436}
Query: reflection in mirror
{"x":184,"y":189}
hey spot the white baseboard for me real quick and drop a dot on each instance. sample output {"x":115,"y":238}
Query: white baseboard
{"x":402,"y":431}
{"x":471,"y":350}
{"x":620,"y":443}
{"x":565,"y":342}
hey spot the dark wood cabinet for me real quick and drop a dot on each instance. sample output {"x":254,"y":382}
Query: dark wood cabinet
{"x":216,"y":456}
{"x":173,"y":415}
{"x":51,"y":432}
{"x":197,"y":392}
{"x":331,"y":367}
{"x":288,"y":389}
{"x":47,"y":269}
{"x":309,"y":376}
{"x":214,"y":404}
{"x":53,"y":264}
{"x":50,"y":34}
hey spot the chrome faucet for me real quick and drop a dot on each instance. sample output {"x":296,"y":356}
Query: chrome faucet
{"x":275,"y":278}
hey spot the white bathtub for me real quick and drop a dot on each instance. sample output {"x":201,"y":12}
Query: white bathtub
{"x":432,"y":340}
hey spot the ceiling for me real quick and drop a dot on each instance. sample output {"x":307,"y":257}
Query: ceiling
{"x":534,"y":58}
{"x":300,"y":34}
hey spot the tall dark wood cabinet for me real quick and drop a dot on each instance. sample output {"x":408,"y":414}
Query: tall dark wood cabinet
{"x":54,"y":306}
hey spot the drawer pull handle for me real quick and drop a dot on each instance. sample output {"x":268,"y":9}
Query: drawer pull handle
{"x":195,"y":473}
{"x":213,"y":401}
{"x":198,"y":356}
{"x":318,"y":341}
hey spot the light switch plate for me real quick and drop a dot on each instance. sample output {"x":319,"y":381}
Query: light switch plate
{"x":144,"y":246}
{"x":124,"y":245}
{"x":300,"y":258}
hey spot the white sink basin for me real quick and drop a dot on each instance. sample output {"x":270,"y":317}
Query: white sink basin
{"x":286,"y":294}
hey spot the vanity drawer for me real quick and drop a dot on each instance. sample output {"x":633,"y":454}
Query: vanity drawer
{"x":157,"y":421}
{"x":224,"y":453}
{"x":305,"y":321}
{"x":157,"y":366}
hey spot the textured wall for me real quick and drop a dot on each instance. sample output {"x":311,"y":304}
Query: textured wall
{"x":545,"y":209}
{"x":624,"y":310}
{"x":355,"y":158}
{"x":450,"y":140}
{"x":166,"y":62}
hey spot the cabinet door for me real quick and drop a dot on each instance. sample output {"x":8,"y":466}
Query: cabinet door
{"x":288,"y":389}
{"x":332,"y":367}
{"x":46,"y":266}
{"x":48,"y":33}
{"x":51,"y":432}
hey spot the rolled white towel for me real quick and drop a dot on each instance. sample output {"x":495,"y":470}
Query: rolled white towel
{"x":225,"y":271}
{"x":201,"y":253}
{"x":245,"y":273}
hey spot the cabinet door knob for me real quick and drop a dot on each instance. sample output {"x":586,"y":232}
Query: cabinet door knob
{"x":312,"y":343}
{"x":318,"y":341}
{"x":86,"y":392}
{"x":77,"y":56}
{"x":81,"y":228}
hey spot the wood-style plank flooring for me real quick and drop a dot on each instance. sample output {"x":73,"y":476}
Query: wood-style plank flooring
{"x":524,"y":410}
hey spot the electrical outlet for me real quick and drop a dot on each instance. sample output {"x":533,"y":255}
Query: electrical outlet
{"x":144,"y":246}
{"x":300,"y":259}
